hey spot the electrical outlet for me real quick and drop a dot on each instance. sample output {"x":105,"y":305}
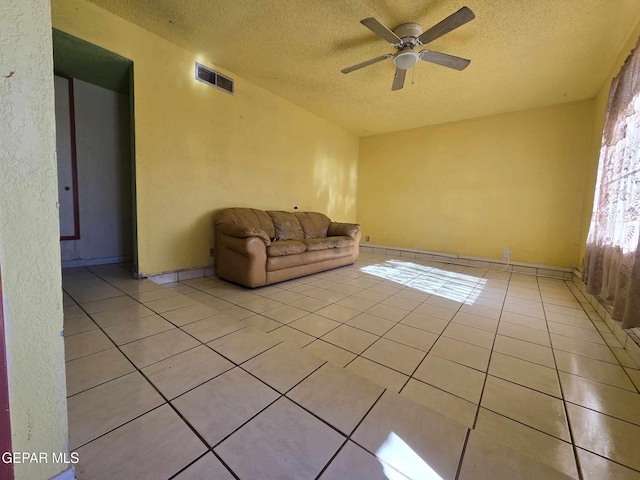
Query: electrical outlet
{"x":506,"y":254}
{"x":366,"y":239}
{"x":212,"y":252}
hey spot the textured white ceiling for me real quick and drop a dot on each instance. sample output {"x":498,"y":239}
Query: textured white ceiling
{"x":524,"y":54}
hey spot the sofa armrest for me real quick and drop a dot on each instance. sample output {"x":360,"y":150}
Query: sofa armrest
{"x":248,"y":246}
{"x":239,"y":231}
{"x":343,"y":229}
{"x":241,"y":260}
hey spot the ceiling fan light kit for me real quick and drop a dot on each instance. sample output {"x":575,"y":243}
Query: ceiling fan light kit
{"x":406,"y":58}
{"x":407,"y":36}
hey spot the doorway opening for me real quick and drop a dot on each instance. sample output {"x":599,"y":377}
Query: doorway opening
{"x":96,"y":153}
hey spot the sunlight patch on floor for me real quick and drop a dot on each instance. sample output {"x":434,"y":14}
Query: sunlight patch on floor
{"x":443,"y":283}
{"x":395,"y":451}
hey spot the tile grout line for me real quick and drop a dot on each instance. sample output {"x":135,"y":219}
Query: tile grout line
{"x":356,"y":327}
{"x":337,"y":452}
{"x":281,"y":395}
{"x":348,"y":437}
{"x":195,"y":432}
{"x":567,"y":402}
{"x":115,"y":428}
{"x":345,"y":323}
{"x":396,"y":324}
{"x":139,"y":370}
{"x":610,"y":347}
{"x":427,"y":353}
{"x":431,"y":348}
{"x":190,"y":464}
{"x":379,"y":336}
{"x":627,"y":467}
{"x":399,"y":321}
{"x":477,"y":412}
{"x":117,"y":346}
{"x":529,"y":426}
{"x":177,"y":326}
{"x":167,"y":402}
{"x":564,"y":406}
{"x":475,"y":419}
{"x":356,"y":357}
{"x":462,"y":452}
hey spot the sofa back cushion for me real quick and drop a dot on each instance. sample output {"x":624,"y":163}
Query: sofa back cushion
{"x":286,"y":225}
{"x":314,"y":224}
{"x":247,"y":217}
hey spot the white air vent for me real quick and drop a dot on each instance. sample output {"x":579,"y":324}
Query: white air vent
{"x":213,"y":78}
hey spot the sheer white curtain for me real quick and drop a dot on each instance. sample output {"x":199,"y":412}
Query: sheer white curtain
{"x":611,"y":267}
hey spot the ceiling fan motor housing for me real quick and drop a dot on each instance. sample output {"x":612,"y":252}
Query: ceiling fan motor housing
{"x":408,"y":33}
{"x":406,"y":57}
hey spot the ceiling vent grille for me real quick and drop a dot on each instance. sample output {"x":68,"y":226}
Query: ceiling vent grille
{"x":213,"y":78}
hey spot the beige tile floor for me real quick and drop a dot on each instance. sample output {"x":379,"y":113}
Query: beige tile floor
{"x":390,"y":368}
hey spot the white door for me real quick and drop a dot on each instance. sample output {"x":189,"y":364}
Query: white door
{"x":65,"y":147}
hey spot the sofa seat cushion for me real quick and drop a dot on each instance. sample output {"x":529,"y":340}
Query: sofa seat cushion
{"x":285,"y":247}
{"x":314,"y":244}
{"x":286,"y":225}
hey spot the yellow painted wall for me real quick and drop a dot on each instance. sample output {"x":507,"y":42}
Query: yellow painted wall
{"x":514,"y":180}
{"x":596,"y":139}
{"x":29,"y":238}
{"x":199,"y":149}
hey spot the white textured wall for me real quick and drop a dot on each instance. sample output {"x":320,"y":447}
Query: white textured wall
{"x":103,"y":149}
{"x":29,"y":248}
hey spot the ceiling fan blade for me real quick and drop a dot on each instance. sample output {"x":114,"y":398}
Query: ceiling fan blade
{"x":445,"y":60}
{"x":398,"y":79}
{"x":450,"y":23}
{"x":383,"y":32}
{"x":358,"y":66}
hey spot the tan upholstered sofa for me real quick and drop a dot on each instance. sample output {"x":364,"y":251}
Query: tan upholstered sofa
{"x":256,"y":248}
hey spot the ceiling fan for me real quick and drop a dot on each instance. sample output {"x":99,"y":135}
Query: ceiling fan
{"x":406,"y":37}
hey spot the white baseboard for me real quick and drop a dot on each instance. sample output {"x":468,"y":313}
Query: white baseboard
{"x":181,"y":274}
{"x":87,"y":262}
{"x":492,"y":263}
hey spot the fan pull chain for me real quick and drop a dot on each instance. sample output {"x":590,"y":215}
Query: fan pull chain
{"x":413,"y":75}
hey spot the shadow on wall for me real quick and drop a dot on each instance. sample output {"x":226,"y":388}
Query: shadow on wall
{"x":204,"y":235}
{"x":191,"y":241}
{"x":212,"y":228}
{"x":336,"y":185}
